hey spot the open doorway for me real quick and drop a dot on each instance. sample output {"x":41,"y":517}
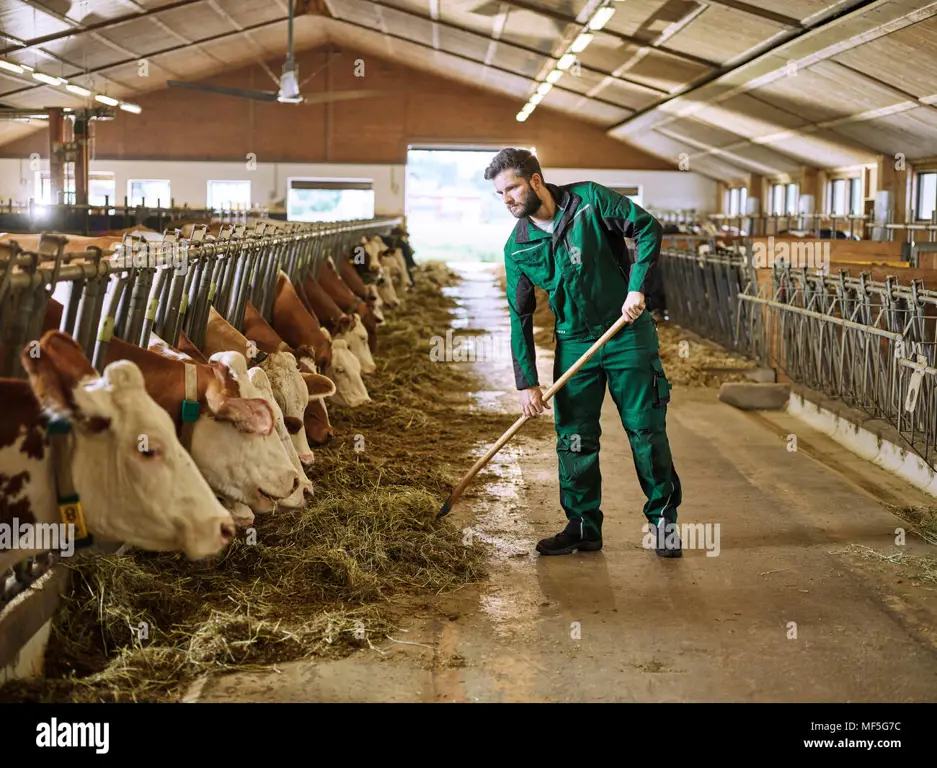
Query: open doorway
{"x":453,"y":213}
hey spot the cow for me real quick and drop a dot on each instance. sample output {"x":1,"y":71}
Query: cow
{"x":296,"y":326}
{"x":133,"y":479}
{"x":346,"y":300}
{"x":356,"y":336}
{"x":233,"y":439}
{"x":292,"y":387}
{"x":246,"y":377}
{"x":316,"y":416}
{"x":242,"y":514}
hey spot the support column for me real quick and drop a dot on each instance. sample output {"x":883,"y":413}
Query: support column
{"x":57,"y":155}
{"x":82,"y":154}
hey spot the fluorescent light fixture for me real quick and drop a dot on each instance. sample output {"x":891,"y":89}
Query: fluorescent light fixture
{"x":601,"y":17}
{"x":11,"y":67}
{"x":78,"y":89}
{"x":554,"y":76}
{"x":522,"y":116}
{"x":581,"y":42}
{"x":536,"y":98}
{"x":27,"y":67}
{"x":130,"y":108}
{"x":47,"y":79}
{"x":107,"y":100}
{"x":565,"y":62}
{"x":544,"y":88}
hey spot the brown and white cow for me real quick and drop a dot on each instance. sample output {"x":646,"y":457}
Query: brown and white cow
{"x":297,"y":326}
{"x":134,"y":480}
{"x":346,"y":300}
{"x":355,"y":335}
{"x":316,"y":423}
{"x":233,"y":441}
{"x":291,"y":386}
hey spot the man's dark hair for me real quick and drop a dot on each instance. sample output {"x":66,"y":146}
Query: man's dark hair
{"x":523,"y":162}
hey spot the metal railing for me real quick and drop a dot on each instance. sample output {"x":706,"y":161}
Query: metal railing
{"x":164,"y":285}
{"x":870,"y":344}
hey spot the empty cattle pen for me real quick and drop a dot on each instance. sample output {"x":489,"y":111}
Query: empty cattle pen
{"x":396,"y":352}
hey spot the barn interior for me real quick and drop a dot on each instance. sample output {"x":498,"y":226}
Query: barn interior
{"x":185,"y":177}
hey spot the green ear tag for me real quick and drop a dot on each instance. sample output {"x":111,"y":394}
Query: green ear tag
{"x":190,"y":410}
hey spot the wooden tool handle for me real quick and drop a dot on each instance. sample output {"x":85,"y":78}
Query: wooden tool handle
{"x":548,"y":395}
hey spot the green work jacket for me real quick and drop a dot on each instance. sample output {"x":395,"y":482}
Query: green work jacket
{"x":584,"y":267}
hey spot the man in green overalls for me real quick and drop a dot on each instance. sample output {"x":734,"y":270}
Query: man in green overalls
{"x":569,"y":241}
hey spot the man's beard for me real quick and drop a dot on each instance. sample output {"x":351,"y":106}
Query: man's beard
{"x":530,"y":205}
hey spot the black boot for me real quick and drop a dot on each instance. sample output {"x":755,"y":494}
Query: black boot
{"x":570,"y":539}
{"x":666,"y":538}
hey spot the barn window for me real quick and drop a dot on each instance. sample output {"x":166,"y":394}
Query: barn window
{"x":149,"y":192}
{"x":926,"y":199}
{"x":330,"y":199}
{"x":229,"y":195}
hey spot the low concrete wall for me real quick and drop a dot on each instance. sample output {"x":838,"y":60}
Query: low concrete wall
{"x":871,"y":439}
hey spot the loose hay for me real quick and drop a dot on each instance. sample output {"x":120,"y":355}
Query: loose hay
{"x":312,"y":583}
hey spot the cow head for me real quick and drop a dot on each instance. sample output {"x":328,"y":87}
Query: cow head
{"x":261,"y":382}
{"x":386,"y":289}
{"x":255,"y":469}
{"x":136,"y":482}
{"x":290,"y":391}
{"x":357,"y":340}
{"x":345,"y":371}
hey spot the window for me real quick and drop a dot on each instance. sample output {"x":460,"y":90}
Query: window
{"x":632,"y":193}
{"x":855,"y":196}
{"x":783,"y":199}
{"x":102,"y":188}
{"x":738,"y":196}
{"x":845,"y":197}
{"x":229,"y":195}
{"x":329,"y":199}
{"x":149,"y":192}
{"x":926,"y":199}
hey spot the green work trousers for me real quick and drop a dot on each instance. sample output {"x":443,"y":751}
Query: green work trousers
{"x":629,"y":366}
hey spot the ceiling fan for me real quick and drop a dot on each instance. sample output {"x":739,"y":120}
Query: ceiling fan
{"x":288,"y":92}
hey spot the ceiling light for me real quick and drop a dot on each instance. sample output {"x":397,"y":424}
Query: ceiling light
{"x":522,"y":116}
{"x":581,"y":42}
{"x":110,"y":101}
{"x":11,"y":67}
{"x":566,"y":61}
{"x":601,"y":17}
{"x":78,"y":89}
{"x":555,"y":75}
{"x":130,"y":108}
{"x":47,"y":79}
{"x":536,"y":98}
{"x":529,"y":106}
{"x":544,"y":88}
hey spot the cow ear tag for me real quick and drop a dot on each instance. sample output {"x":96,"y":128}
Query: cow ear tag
{"x":70,"y":509}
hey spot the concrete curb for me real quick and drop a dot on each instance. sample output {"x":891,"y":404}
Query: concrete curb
{"x":870,"y":439}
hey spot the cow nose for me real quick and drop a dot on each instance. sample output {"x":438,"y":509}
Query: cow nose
{"x":227,"y":532}
{"x":295,"y":485}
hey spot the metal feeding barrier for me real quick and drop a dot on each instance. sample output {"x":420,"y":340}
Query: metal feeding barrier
{"x":870,"y":344}
{"x":149,"y":283}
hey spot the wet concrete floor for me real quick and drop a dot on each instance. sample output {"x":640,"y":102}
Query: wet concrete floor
{"x":785,"y":601}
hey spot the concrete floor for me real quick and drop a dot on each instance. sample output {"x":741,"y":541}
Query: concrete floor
{"x":785,"y":611}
